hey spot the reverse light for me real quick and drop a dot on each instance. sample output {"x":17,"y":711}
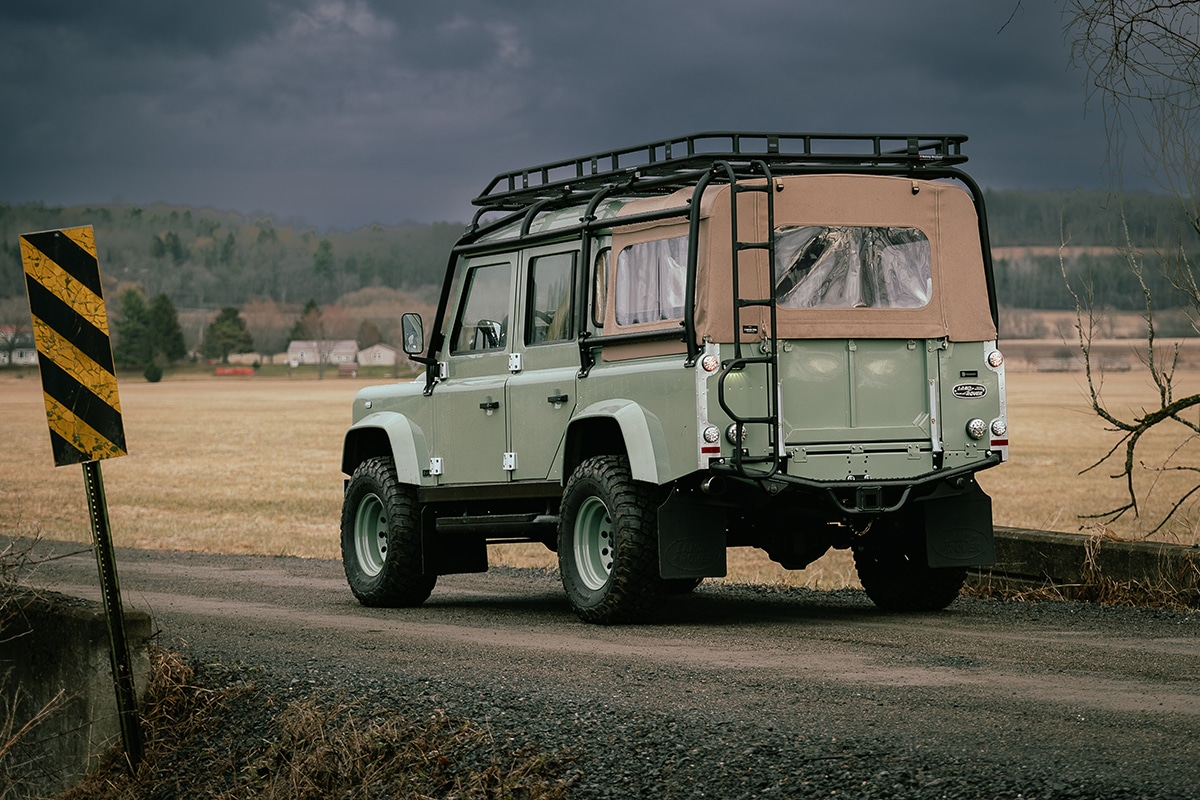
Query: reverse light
{"x":712,"y":434}
{"x":995,"y":359}
{"x":999,"y":428}
{"x":977,"y":428}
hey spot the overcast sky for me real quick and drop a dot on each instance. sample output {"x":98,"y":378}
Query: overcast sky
{"x":346,"y":112}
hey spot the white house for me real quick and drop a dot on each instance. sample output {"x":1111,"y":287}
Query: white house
{"x":17,"y":343}
{"x":20,"y":356}
{"x":377,"y":355}
{"x":327,"y":351}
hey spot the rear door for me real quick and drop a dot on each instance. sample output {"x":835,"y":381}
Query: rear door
{"x":857,"y":390}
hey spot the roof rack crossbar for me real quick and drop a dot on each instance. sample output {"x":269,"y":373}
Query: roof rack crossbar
{"x":786,"y":153}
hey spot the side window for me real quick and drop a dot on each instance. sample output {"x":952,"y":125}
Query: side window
{"x":550,"y":303}
{"x":650,"y":281}
{"x":600,"y":286}
{"x":482,"y":322}
{"x":851,"y":266}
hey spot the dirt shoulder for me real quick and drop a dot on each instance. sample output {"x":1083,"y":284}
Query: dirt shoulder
{"x":735,"y":690}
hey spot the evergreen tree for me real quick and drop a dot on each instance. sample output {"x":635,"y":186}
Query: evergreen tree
{"x":227,"y":334}
{"x":174,"y":246}
{"x":134,"y":340}
{"x":323,"y":262}
{"x":165,"y":331}
{"x":368,"y":334}
{"x":308,"y":325}
{"x":228,"y":247}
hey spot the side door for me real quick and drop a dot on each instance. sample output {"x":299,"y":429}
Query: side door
{"x":542,"y":393}
{"x":470,"y":406}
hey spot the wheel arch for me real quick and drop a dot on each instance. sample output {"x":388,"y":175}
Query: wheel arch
{"x":619,"y":427}
{"x":387,"y":433}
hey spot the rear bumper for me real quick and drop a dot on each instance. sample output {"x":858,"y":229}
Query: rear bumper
{"x":871,"y":496}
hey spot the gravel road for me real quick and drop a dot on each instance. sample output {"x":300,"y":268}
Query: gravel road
{"x":735,"y":692}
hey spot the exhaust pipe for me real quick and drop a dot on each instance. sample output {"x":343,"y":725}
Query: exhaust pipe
{"x":713,"y":485}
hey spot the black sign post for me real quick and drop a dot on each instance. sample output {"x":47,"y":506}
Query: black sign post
{"x":79,"y":384}
{"x":110,"y":589}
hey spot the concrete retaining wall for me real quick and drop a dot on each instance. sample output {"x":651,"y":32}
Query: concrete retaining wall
{"x":1085,"y":567}
{"x":59,"y":644}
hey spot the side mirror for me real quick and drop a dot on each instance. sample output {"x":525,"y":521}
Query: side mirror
{"x":413,"y":333}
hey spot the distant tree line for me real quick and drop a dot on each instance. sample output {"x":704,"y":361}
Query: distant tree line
{"x":202,"y":258}
{"x":1036,"y":282}
{"x":206,"y":259}
{"x":1083,"y":219}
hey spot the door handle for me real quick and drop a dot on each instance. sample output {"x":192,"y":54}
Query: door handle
{"x":490,"y":405}
{"x":557,"y":399}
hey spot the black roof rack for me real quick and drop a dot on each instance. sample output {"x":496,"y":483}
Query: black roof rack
{"x":684,"y":156}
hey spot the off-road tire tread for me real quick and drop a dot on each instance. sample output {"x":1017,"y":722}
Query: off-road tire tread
{"x":634,"y":588}
{"x":401,"y":583}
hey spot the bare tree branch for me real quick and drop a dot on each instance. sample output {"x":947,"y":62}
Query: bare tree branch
{"x":1142,"y":59}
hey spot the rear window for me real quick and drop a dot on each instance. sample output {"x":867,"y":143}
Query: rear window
{"x":650,"y":281}
{"x":852,"y":266}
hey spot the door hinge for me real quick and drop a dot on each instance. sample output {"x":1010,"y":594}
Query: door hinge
{"x":510,"y":462}
{"x":435,"y":466}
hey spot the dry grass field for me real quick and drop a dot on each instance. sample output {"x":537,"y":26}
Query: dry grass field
{"x":251,"y":465}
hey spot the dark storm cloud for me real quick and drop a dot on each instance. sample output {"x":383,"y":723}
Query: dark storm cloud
{"x":346,"y":111}
{"x":211,"y":27}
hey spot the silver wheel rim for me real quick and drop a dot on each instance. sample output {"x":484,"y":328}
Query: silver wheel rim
{"x":370,"y":535}
{"x":593,"y":543}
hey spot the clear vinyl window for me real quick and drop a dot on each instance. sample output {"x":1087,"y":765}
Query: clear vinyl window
{"x":850,"y":266}
{"x":651,"y":278}
{"x":600,"y":287}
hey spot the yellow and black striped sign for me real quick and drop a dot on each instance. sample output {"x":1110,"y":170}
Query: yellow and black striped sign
{"x":70,"y":326}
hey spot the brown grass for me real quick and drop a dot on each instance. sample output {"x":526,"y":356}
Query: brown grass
{"x":223,"y":736}
{"x":251,"y":465}
{"x":1055,"y":436}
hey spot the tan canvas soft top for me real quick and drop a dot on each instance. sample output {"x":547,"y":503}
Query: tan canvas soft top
{"x":958,"y":309}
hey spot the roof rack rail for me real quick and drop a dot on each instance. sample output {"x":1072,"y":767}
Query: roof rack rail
{"x":684,"y":156}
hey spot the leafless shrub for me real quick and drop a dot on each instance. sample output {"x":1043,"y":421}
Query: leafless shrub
{"x":1143,"y":62}
{"x":16,"y":563}
{"x":243,"y":740}
{"x":1178,"y":589}
{"x":1161,"y":368}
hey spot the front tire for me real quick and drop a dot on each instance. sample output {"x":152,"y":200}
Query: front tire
{"x":381,"y":538}
{"x":608,"y":543}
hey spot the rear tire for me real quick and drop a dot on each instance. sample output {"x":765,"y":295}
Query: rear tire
{"x":381,"y":538}
{"x":896,"y":576}
{"x":608,"y":543}
{"x":681,"y":585}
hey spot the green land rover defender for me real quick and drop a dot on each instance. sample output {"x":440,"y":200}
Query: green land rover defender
{"x":643,"y":357}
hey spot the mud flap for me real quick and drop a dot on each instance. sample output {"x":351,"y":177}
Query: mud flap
{"x":958,"y":530}
{"x":691,"y":539}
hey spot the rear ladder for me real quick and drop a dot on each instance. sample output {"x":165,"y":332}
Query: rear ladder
{"x":763,"y":466}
